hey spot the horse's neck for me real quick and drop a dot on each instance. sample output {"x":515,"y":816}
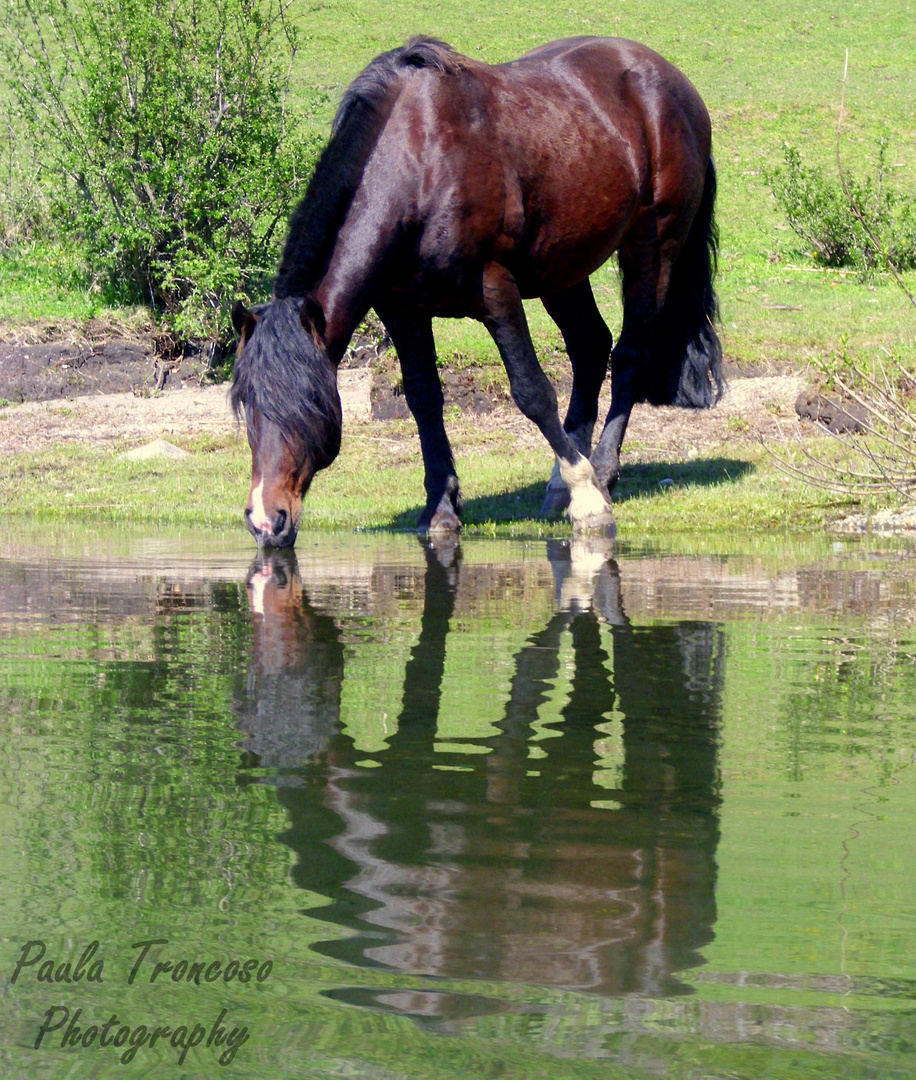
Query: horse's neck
{"x":317,"y":219}
{"x":359,"y":261}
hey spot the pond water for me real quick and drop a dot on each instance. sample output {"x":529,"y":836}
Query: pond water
{"x":497,"y":809}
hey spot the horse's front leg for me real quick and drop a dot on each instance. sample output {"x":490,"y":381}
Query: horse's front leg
{"x":588,"y":345}
{"x":412,"y":337}
{"x":504,"y":316}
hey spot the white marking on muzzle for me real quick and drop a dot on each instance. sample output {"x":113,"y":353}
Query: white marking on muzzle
{"x":259,"y":518}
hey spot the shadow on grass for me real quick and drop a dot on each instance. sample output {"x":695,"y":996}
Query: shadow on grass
{"x":521,"y":504}
{"x":647,"y":478}
{"x":524,"y":503}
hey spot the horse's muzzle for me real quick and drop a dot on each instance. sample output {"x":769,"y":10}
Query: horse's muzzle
{"x":280,"y":532}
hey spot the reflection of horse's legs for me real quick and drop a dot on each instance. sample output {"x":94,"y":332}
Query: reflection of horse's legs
{"x":588,"y":343}
{"x":416,"y":731}
{"x":504,"y":316}
{"x":535,"y":671}
{"x":568,"y":767}
{"x":416,"y":349}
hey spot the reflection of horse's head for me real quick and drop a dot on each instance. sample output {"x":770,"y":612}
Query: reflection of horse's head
{"x":290,"y":706}
{"x":274,"y":587}
{"x":574,"y":845}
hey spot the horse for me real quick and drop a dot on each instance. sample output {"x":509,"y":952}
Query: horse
{"x":453,"y":188}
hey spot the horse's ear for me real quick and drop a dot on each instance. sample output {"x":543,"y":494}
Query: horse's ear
{"x":311,"y":315}
{"x":243,"y":320}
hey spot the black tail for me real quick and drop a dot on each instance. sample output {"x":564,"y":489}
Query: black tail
{"x":688,"y":356}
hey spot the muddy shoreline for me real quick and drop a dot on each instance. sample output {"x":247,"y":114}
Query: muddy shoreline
{"x":116,"y":392}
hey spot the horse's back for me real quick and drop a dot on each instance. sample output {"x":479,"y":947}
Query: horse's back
{"x":544,"y":163}
{"x":624,"y":84}
{"x":595,"y":129}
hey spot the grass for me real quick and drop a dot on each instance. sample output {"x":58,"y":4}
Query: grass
{"x":377,"y":483}
{"x":44,"y":282}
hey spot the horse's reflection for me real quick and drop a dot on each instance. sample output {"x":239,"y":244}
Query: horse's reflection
{"x":519,"y":863}
{"x":292,"y":695}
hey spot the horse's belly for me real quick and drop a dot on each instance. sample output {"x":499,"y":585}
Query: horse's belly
{"x":568,"y":246}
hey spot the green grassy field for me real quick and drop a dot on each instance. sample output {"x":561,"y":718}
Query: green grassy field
{"x":769,"y":74}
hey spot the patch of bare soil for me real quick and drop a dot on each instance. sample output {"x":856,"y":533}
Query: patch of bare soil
{"x":753,"y":407}
{"x":47,"y":363}
{"x":115,"y":420}
{"x":106,"y":385}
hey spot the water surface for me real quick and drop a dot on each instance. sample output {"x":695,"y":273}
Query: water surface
{"x":389,"y":809}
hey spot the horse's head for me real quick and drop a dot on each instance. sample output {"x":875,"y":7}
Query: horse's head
{"x":286,"y":387}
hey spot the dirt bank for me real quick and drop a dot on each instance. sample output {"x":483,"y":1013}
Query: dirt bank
{"x":751,"y":405}
{"x":104,"y":385}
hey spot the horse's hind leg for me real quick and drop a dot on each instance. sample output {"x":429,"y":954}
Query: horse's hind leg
{"x":632,"y":346}
{"x":646,"y":269}
{"x":504,"y":316}
{"x":588,"y":344}
{"x":412,"y":337}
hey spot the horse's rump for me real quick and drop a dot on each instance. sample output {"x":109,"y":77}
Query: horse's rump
{"x":559,"y":153}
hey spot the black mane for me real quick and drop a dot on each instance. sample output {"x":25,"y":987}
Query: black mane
{"x":363,"y":111}
{"x":281,"y":377}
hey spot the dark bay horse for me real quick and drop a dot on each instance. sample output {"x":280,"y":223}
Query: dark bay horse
{"x":453,"y":188}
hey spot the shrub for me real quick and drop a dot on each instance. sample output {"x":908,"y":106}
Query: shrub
{"x":23,"y":203}
{"x":820,"y":212}
{"x":162,"y":127}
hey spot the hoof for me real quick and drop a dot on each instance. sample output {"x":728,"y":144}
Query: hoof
{"x":445,"y":522}
{"x":443,"y":519}
{"x":556,"y":501}
{"x":589,"y":506}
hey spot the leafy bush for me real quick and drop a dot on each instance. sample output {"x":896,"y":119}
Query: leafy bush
{"x":824,"y":215}
{"x":23,"y":203}
{"x":162,"y":127}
